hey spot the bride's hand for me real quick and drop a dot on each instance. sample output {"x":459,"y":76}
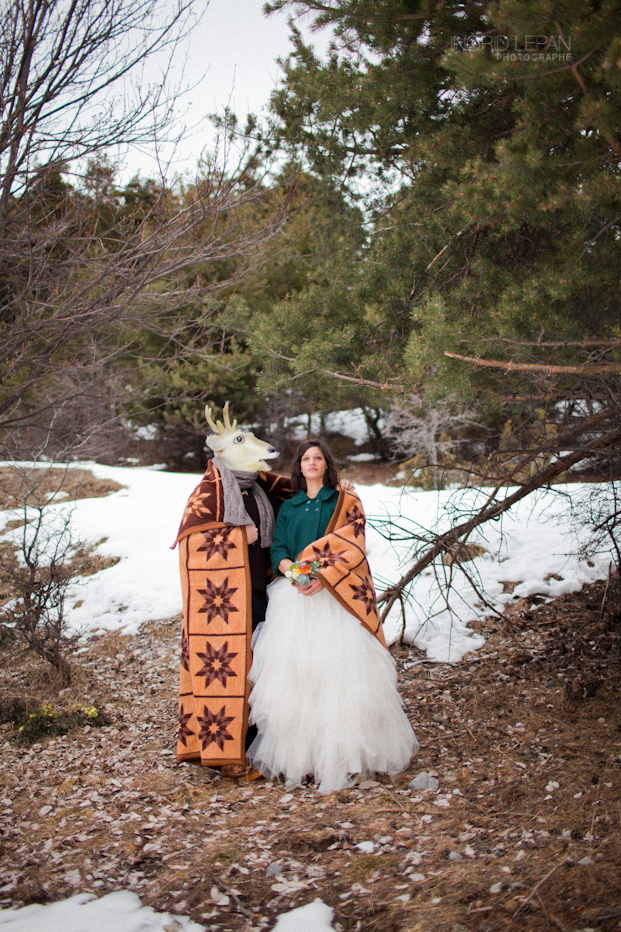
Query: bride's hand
{"x":347,"y":485}
{"x":311,"y":588}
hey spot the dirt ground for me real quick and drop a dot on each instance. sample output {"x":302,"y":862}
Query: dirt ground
{"x":22,"y":485}
{"x":522,"y":833}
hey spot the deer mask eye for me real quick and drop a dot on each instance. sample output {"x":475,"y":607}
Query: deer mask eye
{"x":238,"y":439}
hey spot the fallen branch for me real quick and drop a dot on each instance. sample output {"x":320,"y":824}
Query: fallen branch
{"x":601,"y":614}
{"x":526,"y":900}
{"x":478,"y":592}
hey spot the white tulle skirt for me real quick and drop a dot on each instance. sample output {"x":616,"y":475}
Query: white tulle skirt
{"x":324,"y":695}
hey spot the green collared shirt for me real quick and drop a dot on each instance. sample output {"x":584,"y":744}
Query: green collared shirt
{"x":301,"y":520}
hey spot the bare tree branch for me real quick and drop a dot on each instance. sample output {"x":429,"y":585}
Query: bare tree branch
{"x":94,"y":280}
{"x":609,"y":368}
{"x":491,"y":510}
{"x":360,"y":380}
{"x":554,"y":344}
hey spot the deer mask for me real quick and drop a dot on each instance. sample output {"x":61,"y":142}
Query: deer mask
{"x":238,"y":449}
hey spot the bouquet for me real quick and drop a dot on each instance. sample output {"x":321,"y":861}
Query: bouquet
{"x":302,"y":573}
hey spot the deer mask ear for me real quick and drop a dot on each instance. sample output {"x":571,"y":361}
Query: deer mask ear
{"x":216,"y":443}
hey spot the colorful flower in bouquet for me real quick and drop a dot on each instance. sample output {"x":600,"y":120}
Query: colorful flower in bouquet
{"x":301,"y":574}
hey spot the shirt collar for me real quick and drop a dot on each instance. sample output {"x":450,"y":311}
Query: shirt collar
{"x":325,"y":493}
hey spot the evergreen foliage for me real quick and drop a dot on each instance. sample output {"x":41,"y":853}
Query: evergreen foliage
{"x":483,"y":144}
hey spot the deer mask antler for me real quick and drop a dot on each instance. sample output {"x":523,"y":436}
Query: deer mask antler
{"x":212,"y":424}
{"x":217,"y":426}
{"x":227,"y":419}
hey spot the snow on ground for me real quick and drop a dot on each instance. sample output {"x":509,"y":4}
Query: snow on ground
{"x":122,"y":911}
{"x":531,"y":542}
{"x":314,"y":917}
{"x":362,"y":458}
{"x":350,"y":423}
{"x":140,"y":522}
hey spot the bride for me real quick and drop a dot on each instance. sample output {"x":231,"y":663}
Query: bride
{"x":324,"y":686}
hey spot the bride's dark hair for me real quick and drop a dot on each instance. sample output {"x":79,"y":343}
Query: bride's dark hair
{"x":331,"y":476}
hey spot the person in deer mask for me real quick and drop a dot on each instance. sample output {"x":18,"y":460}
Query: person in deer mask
{"x":224,"y":558}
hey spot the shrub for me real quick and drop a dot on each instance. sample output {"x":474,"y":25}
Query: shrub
{"x":34,"y":723}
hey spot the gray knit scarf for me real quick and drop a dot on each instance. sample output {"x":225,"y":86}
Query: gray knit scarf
{"x":233,"y":481}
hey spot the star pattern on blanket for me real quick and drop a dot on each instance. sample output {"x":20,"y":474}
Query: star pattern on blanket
{"x":364,"y":593}
{"x":217,"y":601}
{"x":216,"y":542}
{"x":216,"y":664}
{"x":185,"y":650}
{"x":184,"y":731}
{"x":326,"y":555}
{"x":213,"y":728}
{"x":196,"y":504}
{"x":356,"y":518}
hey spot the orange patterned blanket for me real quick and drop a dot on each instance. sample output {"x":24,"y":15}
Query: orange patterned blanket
{"x":346,"y":572}
{"x":217,"y":624}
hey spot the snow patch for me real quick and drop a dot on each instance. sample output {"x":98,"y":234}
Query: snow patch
{"x":348,"y":423}
{"x":533,"y":546}
{"x":362,"y":457}
{"x":314,"y":917}
{"x":120,"y":911}
{"x":140,"y":523}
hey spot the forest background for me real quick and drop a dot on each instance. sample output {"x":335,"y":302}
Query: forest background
{"x":446,"y":181}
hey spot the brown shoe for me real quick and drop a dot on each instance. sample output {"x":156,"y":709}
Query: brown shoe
{"x":243,"y":772}
{"x":252,"y":775}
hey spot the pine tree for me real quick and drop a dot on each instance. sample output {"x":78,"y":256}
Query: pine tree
{"x":483,"y":145}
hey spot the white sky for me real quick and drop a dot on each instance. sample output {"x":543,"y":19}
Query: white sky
{"x":230,"y":59}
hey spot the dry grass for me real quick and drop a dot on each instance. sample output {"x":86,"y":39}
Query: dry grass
{"x":536,"y":707}
{"x":23,"y":486}
{"x":36,"y":487}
